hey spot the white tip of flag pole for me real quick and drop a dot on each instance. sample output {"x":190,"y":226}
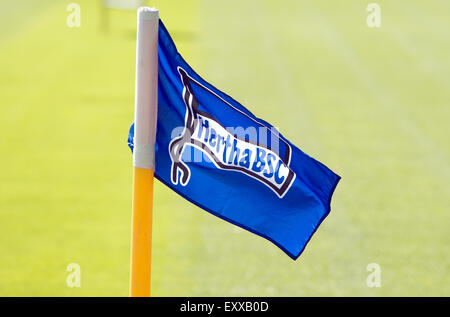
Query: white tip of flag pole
{"x":146,"y":88}
{"x":148,"y":13}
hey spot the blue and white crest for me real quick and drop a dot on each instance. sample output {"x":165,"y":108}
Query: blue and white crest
{"x":226,"y":149}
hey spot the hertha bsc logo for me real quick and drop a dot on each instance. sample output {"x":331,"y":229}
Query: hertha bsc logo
{"x":259,"y":153}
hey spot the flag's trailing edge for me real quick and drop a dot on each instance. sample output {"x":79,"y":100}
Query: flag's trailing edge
{"x":216,"y":154}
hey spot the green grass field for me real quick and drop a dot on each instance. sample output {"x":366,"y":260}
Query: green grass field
{"x":371,"y":103}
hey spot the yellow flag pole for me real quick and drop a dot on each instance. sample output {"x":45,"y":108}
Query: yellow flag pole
{"x":144,"y":150}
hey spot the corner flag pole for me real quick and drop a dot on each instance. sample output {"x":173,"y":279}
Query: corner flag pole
{"x":144,"y":149}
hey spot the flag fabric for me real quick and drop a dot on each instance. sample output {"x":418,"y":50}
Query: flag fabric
{"x":216,"y":154}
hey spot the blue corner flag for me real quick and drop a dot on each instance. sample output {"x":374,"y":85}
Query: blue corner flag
{"x":219,"y":156}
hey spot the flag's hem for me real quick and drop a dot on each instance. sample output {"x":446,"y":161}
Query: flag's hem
{"x":330,"y":195}
{"x":290,"y":254}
